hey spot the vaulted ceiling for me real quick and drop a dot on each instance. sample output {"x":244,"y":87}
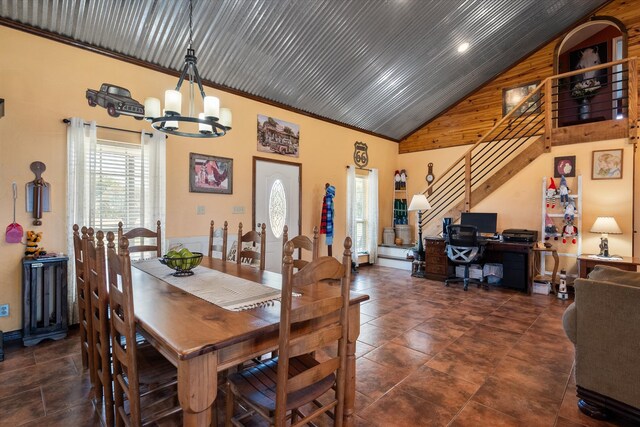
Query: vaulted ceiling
{"x":384,"y":66}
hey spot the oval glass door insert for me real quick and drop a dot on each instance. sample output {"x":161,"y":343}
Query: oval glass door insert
{"x":277,"y":208}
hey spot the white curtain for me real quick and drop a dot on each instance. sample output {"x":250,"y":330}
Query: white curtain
{"x":372,"y":216}
{"x":154,"y":158}
{"x":81,"y":151}
{"x":351,"y":198}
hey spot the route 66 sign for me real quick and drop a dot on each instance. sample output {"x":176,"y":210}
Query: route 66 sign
{"x":360,"y":156}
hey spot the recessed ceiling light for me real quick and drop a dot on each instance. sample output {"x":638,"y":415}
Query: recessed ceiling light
{"x":463,"y":47}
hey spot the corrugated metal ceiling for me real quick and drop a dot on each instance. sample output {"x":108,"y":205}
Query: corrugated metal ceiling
{"x":386,"y":66}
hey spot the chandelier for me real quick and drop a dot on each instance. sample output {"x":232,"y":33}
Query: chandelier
{"x":212,"y":123}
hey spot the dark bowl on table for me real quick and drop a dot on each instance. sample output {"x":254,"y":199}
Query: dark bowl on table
{"x":182,"y":265}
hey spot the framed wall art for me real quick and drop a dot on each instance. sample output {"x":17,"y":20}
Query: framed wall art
{"x":210,"y":174}
{"x":278,"y":136}
{"x":511,"y":96}
{"x":564,"y":166}
{"x":607,"y":164}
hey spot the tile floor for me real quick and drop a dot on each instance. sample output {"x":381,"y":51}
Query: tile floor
{"x":427,"y":356}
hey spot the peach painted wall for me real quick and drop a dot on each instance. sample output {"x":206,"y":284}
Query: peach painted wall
{"x":518,"y":202}
{"x":43,"y":82}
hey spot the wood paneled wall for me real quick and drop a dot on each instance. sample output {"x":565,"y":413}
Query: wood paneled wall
{"x":468,"y":120}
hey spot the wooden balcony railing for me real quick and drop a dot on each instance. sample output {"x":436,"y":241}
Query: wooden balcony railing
{"x":547,"y":116}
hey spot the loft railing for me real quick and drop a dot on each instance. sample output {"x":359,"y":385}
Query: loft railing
{"x":536,"y":119}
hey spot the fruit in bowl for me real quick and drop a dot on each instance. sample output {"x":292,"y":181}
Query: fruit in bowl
{"x":182,"y":261}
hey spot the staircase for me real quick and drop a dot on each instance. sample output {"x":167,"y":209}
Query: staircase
{"x":525,"y":133}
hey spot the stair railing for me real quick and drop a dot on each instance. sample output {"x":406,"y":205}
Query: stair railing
{"x":531,"y":121}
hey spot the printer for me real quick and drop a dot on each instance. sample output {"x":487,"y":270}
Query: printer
{"x":519,"y":235}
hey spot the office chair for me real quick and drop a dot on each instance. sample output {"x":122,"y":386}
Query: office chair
{"x":463,"y":248}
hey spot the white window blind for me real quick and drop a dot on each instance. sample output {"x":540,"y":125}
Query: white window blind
{"x":119,"y":185}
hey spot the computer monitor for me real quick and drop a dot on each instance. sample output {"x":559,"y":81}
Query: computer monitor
{"x":486,"y":223}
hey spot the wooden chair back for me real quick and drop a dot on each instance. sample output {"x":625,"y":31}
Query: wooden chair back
{"x":218,"y":240}
{"x":323,"y":332}
{"x":143,"y":233}
{"x":99,"y":314}
{"x":82,"y":291}
{"x":256,"y":238}
{"x":123,"y":334}
{"x":302,"y":242}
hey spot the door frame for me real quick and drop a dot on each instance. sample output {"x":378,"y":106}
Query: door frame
{"x":253,"y":188}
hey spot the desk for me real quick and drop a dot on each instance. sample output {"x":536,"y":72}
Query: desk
{"x":516,"y":258}
{"x":200,"y":338}
{"x":586,"y":264}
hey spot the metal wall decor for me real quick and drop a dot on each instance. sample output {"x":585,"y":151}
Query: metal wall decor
{"x":360,"y":155}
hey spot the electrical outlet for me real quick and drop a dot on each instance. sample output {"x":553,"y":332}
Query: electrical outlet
{"x":238,"y":209}
{"x":4,"y":310}
{"x":200,"y":210}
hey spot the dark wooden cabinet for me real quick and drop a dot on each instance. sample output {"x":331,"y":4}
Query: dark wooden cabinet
{"x":44,"y":299}
{"x":436,"y":264}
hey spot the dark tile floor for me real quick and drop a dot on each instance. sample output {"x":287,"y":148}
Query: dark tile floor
{"x":427,"y":356}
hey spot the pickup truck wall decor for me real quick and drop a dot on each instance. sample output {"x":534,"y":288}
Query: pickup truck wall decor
{"x":117,"y":100}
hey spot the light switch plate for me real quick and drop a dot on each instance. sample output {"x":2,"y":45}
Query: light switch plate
{"x":200,"y":210}
{"x":238,"y":209}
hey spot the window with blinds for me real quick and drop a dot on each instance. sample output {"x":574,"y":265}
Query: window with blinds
{"x":118,"y":185}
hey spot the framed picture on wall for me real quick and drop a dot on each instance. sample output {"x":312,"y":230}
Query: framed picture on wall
{"x":210,"y":174}
{"x":564,"y":166}
{"x":278,"y":136}
{"x":511,"y":96}
{"x":607,"y":164}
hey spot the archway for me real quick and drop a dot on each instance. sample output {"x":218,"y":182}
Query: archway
{"x":595,"y":95}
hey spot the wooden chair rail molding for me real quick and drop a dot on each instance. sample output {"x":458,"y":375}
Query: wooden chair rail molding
{"x":520,"y":136}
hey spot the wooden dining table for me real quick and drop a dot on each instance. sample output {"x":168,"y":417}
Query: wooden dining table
{"x":201,"y":338}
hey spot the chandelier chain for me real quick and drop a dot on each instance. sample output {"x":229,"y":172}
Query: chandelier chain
{"x":191,"y":24}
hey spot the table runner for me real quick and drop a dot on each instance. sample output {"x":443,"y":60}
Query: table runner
{"x":229,"y":292}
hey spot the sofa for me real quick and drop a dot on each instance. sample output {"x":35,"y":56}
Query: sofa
{"x":604,"y":325}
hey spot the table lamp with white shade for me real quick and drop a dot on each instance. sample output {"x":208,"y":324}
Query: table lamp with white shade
{"x":605,"y":225}
{"x":419,"y":203}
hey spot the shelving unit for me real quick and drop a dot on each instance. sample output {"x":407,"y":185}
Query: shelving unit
{"x":400,"y":205}
{"x":557,"y":216}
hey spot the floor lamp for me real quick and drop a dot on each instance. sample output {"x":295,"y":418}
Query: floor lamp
{"x":419,"y":203}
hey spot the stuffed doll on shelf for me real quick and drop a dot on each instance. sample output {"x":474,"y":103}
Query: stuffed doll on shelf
{"x":550,"y":229}
{"x":564,"y":191}
{"x":571,"y":231}
{"x":551,"y":194}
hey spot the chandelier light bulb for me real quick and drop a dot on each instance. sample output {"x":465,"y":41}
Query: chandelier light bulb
{"x":211,"y":107}
{"x":225,"y":117}
{"x":173,"y":102}
{"x":152,"y":107}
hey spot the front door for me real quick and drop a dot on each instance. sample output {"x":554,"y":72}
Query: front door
{"x":276,"y":203}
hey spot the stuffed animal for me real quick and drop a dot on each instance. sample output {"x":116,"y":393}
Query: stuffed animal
{"x":403,"y":179}
{"x":569,"y":230}
{"x":550,"y":229}
{"x":397,"y":180}
{"x":551,"y":194}
{"x":564,"y":191}
{"x":33,"y":251}
{"x":569,"y":212}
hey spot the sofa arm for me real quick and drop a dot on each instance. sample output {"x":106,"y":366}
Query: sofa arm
{"x":608,"y":339}
{"x":569,"y":322}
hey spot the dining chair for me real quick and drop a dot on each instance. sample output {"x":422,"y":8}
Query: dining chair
{"x":131,"y":367}
{"x":218,"y":240}
{"x":82,"y":292}
{"x":295,"y":378}
{"x":98,"y":312}
{"x":256,"y":238}
{"x":302,"y":242}
{"x":143,"y":233}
